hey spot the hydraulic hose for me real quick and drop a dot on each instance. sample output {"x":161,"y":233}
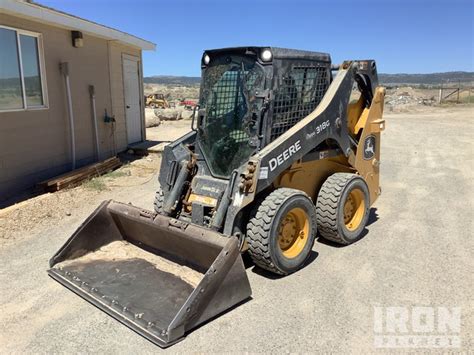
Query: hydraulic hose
{"x":221,"y":212}
{"x":171,"y":202}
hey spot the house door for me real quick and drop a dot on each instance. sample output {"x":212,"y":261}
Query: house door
{"x":132,"y":91}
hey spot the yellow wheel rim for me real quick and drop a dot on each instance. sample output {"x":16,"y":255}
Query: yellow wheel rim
{"x":293,"y":232}
{"x":354,"y":209}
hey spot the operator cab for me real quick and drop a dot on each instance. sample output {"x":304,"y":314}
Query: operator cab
{"x":250,"y":96}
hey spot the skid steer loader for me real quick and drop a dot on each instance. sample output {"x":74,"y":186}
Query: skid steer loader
{"x":283,"y":146}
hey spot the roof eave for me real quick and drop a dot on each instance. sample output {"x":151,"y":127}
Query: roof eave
{"x":52,"y":17}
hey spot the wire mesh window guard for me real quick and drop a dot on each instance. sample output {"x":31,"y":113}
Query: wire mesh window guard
{"x":302,"y":89}
{"x":227,"y":129}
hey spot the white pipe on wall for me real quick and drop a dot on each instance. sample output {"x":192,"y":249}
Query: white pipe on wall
{"x":64,"y":67}
{"x":94,"y":116}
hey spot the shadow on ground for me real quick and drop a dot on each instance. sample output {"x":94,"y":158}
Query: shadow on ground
{"x":373,"y":217}
{"x":146,"y":144}
{"x":270,"y":275}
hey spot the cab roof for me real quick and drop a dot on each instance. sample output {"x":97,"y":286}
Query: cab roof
{"x":278,"y":53}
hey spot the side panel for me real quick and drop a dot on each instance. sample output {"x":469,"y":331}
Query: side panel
{"x":309,"y":176}
{"x":327,"y":124}
{"x":367,"y":159}
{"x":328,"y":121}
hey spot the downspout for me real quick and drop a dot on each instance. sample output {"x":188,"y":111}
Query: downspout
{"x":94,"y":116}
{"x":142,"y":95}
{"x":112,"y":111}
{"x":64,"y":68}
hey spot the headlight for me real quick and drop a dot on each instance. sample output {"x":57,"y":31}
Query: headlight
{"x":206,"y":59}
{"x":266,"y":55}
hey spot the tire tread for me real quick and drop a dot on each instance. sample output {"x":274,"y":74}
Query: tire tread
{"x":259,"y":228}
{"x":327,"y":205}
{"x":158,"y":203}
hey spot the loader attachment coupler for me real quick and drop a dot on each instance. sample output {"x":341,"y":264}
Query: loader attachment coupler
{"x":158,"y":275}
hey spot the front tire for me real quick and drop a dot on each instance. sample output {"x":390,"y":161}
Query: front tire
{"x":342,"y":208}
{"x":281,"y":232}
{"x":158,"y":204}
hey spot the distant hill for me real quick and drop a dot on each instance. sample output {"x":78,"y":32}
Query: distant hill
{"x":413,"y":79}
{"x":172,"y":80}
{"x":428,"y":79}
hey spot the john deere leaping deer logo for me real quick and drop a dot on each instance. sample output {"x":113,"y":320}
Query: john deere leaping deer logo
{"x":369,"y":147}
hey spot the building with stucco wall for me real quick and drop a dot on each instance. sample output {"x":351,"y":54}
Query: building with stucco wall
{"x":54,"y":69}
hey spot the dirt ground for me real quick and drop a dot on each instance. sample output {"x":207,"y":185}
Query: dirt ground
{"x":168,"y":131}
{"x":418,"y":251}
{"x":53,"y":209}
{"x":122,"y":250}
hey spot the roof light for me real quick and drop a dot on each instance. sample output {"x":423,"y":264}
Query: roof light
{"x":206,"y":59}
{"x":266,"y":55}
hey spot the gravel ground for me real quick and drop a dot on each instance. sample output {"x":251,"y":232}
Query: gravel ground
{"x":417,"y":252}
{"x":55,"y":209}
{"x":168,"y":131}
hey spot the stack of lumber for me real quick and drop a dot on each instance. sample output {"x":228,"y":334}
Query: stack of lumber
{"x":76,"y":177}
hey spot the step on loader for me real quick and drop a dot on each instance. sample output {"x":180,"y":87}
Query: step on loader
{"x":284,"y":147}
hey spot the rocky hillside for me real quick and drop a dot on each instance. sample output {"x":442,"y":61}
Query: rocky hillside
{"x":428,"y":79}
{"x":387,"y":79}
{"x":172,"y":80}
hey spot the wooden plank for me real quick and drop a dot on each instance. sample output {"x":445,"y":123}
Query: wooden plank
{"x":89,"y":175}
{"x":79,"y":180}
{"x":77,"y":176}
{"x":75,"y":172}
{"x":93,"y":169}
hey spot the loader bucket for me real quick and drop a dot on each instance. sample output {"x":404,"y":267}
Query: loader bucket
{"x":157,"y":275}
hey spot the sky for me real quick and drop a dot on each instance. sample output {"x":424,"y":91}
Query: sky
{"x":417,"y":36}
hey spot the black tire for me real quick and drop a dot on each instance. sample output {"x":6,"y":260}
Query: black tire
{"x":334,"y":222}
{"x":158,"y":204}
{"x":266,"y":226}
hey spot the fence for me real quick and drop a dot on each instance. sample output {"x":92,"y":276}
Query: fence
{"x":457,"y":93}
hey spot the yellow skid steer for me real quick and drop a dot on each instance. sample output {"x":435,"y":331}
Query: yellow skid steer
{"x":284,"y":148}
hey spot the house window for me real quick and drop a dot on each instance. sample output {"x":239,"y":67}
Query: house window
{"x":21,"y":79}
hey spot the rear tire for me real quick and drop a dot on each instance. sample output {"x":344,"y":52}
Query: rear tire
{"x":281,"y":231}
{"x":158,"y":204}
{"x":342,"y":208}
